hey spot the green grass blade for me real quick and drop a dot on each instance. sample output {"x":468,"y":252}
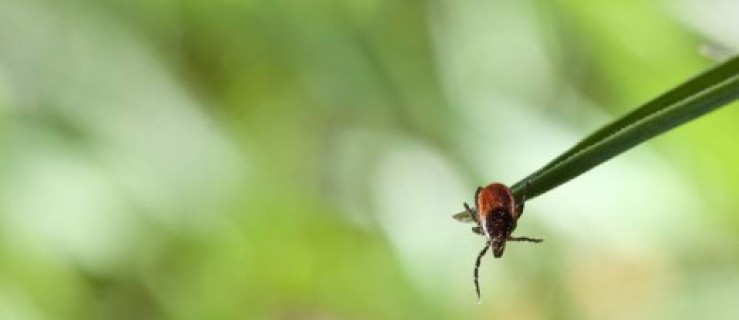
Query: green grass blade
{"x":697,"y":84}
{"x":698,"y":96}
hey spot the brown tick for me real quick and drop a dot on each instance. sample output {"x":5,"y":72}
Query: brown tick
{"x":496,"y":213}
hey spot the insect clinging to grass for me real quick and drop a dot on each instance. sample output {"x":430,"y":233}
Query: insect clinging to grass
{"x":496,"y":214}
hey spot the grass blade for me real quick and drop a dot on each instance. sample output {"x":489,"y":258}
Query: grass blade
{"x":694,"y":98}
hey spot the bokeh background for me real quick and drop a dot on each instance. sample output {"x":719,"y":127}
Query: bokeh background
{"x":301,"y":159}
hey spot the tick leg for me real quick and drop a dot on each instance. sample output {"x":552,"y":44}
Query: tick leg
{"x":477,"y":269}
{"x":524,"y":239}
{"x":472,"y":213}
{"x":477,"y":230}
{"x":477,"y":196}
{"x":520,"y":206}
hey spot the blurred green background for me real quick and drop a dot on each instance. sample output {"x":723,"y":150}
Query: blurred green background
{"x":268,"y":159}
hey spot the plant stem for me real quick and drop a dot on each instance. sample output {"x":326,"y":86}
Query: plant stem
{"x":697,"y":97}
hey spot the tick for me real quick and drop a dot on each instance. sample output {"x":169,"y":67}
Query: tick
{"x":496,"y":214}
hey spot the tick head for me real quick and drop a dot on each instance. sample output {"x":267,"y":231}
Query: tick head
{"x":498,"y":247}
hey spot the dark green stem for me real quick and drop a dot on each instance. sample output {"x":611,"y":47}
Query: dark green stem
{"x":697,"y":97}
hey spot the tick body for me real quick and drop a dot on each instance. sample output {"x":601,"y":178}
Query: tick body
{"x":496,"y":214}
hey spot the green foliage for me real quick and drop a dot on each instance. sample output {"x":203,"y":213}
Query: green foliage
{"x":261,"y":159}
